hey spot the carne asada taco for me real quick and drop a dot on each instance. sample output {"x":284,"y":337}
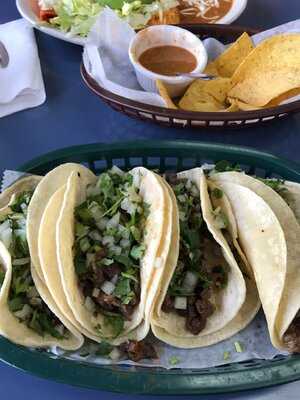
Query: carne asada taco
{"x":50,"y":183}
{"x":28,"y":314}
{"x":202,"y":288}
{"x":109,"y":237}
{"x":266,"y":213}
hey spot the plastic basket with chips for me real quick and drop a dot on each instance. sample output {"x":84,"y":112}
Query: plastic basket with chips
{"x":195,"y":119}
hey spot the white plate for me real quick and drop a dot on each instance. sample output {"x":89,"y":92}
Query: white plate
{"x":25,"y":9}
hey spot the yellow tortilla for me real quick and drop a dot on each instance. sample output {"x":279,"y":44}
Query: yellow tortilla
{"x":270,"y":236}
{"x":10,"y":327}
{"x":170,"y":327}
{"x":152,"y":193}
{"x":42,"y":194}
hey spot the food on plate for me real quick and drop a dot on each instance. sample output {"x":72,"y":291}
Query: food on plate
{"x":202,"y":289}
{"x":28,"y":314}
{"x":247,"y":77}
{"x":190,"y":255}
{"x":77,"y":16}
{"x":204,"y":11}
{"x":109,"y":237}
{"x":267,"y":215}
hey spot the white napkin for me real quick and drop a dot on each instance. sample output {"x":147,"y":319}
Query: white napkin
{"x":21,"y":82}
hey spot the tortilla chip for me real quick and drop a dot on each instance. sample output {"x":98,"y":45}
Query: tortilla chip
{"x":271,"y":70}
{"x":227,"y":63}
{"x":206,"y":96}
{"x":162,"y":90}
{"x":283,"y":97}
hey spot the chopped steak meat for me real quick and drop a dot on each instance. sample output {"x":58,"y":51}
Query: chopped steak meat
{"x":137,"y":351}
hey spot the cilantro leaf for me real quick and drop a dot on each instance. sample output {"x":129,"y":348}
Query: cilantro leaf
{"x":116,"y":323}
{"x":137,"y":252}
{"x":104,"y":349}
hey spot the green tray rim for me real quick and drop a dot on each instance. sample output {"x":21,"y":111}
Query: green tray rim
{"x":135,"y":380}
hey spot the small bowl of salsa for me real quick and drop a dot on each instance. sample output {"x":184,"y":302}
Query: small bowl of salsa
{"x":160,"y":52}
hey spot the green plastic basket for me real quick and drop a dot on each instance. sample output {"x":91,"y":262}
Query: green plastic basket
{"x":228,"y":378}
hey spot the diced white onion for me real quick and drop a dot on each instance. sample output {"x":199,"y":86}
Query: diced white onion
{"x":6,"y":237}
{"x":89,"y":258}
{"x":124,"y":243}
{"x":35,"y":301}
{"x":124,"y":232}
{"x":114,"y":221}
{"x":96,"y":212}
{"x":182,"y":216}
{"x":116,"y":170}
{"x":95,"y":235}
{"x":195,"y":191}
{"x":180,"y":303}
{"x":190,"y":281}
{"x":21,"y":261}
{"x":24,"y":312}
{"x":108,"y":240}
{"x":128,"y":206}
{"x":32,"y":292}
{"x":115,"y":354}
{"x":188,"y":184}
{"x":181,"y":198}
{"x":4,"y":226}
{"x":117,"y":250}
{"x":114,"y":279}
{"x":96,"y":292}
{"x":89,"y":304}
{"x":137,"y":180}
{"x":108,"y":287}
{"x":101,"y":224}
{"x":92,"y":190}
{"x":60,"y":329}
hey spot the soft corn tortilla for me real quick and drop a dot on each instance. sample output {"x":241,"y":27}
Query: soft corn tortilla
{"x":152,"y":193}
{"x":42,"y":194}
{"x":10,"y":327}
{"x":271,"y":70}
{"x":171,"y":327}
{"x":270,"y":237}
{"x":49,"y":262}
{"x":27,"y":183}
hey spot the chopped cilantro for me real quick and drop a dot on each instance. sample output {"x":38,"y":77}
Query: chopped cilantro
{"x":116,"y":324}
{"x":238,"y":347}
{"x":217,"y":193}
{"x":2,"y":276}
{"x":222,"y":166}
{"x":123,"y":290}
{"x":174,"y":360}
{"x":104,"y":349}
{"x":137,"y":252}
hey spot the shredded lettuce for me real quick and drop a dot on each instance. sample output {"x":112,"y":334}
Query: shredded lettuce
{"x":76,"y":17}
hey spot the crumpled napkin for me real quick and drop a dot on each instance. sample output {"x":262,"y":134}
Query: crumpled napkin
{"x":106,"y":59}
{"x":21,"y":82}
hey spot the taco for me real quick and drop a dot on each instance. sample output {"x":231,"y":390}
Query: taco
{"x":28,"y":314}
{"x":267,"y":215}
{"x":108,"y":239}
{"x":202,"y":298}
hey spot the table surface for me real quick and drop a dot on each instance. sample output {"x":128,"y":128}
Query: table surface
{"x":72,"y":115}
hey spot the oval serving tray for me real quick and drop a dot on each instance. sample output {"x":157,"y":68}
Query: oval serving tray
{"x":164,"y":155}
{"x":191,"y":119}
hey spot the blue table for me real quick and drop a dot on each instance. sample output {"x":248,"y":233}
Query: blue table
{"x":72,"y":115}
